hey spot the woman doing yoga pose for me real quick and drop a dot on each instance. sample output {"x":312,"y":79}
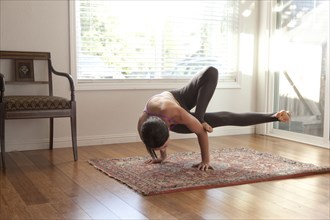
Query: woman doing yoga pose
{"x":170,"y":111}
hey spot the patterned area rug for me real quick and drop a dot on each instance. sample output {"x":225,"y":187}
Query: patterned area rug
{"x":232,"y":166}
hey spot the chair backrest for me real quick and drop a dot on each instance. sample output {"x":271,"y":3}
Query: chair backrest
{"x":22,"y":68}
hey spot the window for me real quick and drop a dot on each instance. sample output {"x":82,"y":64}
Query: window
{"x":299,"y":55}
{"x":155,"y":39}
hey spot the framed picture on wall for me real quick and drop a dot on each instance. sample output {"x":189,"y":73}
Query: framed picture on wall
{"x":24,"y":70}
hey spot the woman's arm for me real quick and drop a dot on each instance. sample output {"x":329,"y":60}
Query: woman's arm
{"x":205,"y":151}
{"x":195,"y":126}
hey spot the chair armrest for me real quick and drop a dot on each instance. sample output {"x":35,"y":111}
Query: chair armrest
{"x":2,"y":82}
{"x":69,"y":77}
{"x":2,"y":87}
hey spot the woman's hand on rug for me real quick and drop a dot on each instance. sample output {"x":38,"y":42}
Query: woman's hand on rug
{"x":154,"y":161}
{"x":203,"y":166}
{"x":163,"y":156}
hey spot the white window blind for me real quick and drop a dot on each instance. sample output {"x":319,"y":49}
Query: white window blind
{"x":156,"y":39}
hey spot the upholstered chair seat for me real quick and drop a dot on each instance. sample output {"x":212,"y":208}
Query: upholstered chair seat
{"x":21,"y":103}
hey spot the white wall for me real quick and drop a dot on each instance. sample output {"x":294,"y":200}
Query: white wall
{"x":103,"y":116}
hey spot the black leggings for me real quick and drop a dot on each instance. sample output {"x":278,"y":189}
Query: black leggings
{"x":198,"y":93}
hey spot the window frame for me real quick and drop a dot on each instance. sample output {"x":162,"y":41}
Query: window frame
{"x":131,"y":84}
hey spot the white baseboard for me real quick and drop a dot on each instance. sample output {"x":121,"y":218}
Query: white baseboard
{"x":36,"y":144}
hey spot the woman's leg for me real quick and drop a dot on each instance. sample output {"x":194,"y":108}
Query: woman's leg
{"x":198,"y":92}
{"x":218,"y":119}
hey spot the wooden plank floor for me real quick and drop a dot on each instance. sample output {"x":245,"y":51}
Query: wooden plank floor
{"x":43,"y":184}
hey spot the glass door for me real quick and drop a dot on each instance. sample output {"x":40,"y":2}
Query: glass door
{"x":299,"y":59}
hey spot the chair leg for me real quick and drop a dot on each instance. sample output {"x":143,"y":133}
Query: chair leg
{"x":51,"y":133}
{"x":74,"y":132}
{"x":2,"y":142}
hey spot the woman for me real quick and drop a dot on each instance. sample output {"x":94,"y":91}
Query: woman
{"x":170,"y":110}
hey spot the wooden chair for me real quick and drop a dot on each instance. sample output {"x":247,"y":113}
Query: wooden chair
{"x":21,"y":73}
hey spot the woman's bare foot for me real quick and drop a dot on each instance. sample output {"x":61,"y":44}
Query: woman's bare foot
{"x":283,"y":116}
{"x":207,"y":127}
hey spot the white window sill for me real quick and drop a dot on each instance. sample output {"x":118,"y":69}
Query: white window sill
{"x":96,"y":85}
